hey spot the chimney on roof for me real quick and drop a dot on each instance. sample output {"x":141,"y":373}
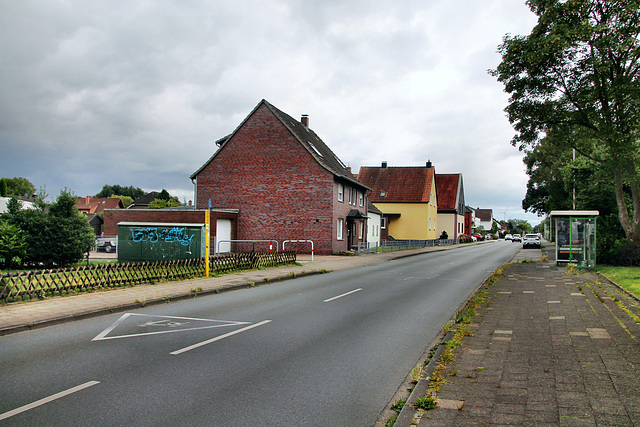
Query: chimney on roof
{"x":428,"y":164}
{"x":384,"y":165}
{"x":88,"y":200}
{"x":305,"y":120}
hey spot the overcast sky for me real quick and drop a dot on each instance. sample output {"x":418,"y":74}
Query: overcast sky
{"x":96,"y":92}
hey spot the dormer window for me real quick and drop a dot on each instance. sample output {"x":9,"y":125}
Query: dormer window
{"x":383,"y":193}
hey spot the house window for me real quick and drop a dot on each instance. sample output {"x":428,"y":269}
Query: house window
{"x":360,"y":230}
{"x":340,"y":193}
{"x":383,"y":193}
{"x":340,"y":228}
{"x":361,"y":200}
{"x":383,"y":223}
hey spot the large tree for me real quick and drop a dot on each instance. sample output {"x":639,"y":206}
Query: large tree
{"x":577,"y":77}
{"x":16,"y":187}
{"x":118,"y":190}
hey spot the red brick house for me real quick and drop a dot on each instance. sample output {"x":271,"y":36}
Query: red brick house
{"x":285,"y":183}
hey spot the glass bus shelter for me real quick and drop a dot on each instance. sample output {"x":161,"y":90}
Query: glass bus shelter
{"x":575,"y":236}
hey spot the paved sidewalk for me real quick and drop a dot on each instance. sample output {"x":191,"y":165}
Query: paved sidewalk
{"x":548,"y":348}
{"x":18,"y":317}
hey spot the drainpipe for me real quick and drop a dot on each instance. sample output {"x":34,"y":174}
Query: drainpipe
{"x":195,"y":193}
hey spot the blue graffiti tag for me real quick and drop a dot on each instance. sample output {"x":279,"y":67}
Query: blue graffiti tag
{"x":173,"y":235}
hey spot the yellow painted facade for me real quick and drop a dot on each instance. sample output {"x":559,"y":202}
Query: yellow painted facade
{"x":417,"y":221}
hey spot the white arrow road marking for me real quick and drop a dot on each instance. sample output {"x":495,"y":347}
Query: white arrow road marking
{"x":218,"y":338}
{"x":47,"y":399}
{"x":166,"y":321}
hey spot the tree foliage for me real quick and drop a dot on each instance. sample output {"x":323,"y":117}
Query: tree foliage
{"x":13,"y":247}
{"x":117,"y":190}
{"x":576,"y":79}
{"x":164,"y":200}
{"x":16,"y":187}
{"x":58,"y":237}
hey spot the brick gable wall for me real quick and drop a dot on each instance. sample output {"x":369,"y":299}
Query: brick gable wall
{"x":279,"y":188}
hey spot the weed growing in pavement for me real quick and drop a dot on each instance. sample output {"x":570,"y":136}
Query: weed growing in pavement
{"x":425,"y":402}
{"x":399,"y":405}
{"x":391,"y":421}
{"x":448,"y":327}
{"x":571,"y":269}
{"x":416,"y":373}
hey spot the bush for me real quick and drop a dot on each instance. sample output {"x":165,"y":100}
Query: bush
{"x":13,"y":247}
{"x":465,"y":238}
{"x":57,"y":238}
{"x":629,"y":254}
{"x":444,"y":235}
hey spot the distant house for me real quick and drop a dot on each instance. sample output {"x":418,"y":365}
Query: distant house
{"x":407,"y":197}
{"x":24,"y":204}
{"x":374,"y":223}
{"x":486,"y":218}
{"x":286,"y":184}
{"x":451,"y":207}
{"x":144,"y":201}
{"x":95,"y":205}
{"x":92,"y":206}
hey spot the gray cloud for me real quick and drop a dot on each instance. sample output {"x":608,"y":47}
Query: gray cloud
{"x":126,"y":93}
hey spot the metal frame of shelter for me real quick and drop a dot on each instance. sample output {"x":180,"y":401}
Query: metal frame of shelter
{"x":575,"y":237}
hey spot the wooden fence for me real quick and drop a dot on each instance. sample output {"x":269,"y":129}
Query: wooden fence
{"x":29,"y":285}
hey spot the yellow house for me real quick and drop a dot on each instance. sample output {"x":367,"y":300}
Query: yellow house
{"x":407,"y":197}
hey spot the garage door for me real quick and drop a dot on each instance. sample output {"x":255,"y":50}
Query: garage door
{"x":223,"y":234}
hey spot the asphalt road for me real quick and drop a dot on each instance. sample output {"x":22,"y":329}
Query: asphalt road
{"x":323,"y":350}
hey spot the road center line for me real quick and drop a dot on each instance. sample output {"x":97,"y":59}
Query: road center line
{"x":343,"y":295}
{"x":218,"y":338}
{"x":47,"y":399}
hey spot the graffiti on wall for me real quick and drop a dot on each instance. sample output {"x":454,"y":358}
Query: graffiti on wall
{"x":169,"y":235}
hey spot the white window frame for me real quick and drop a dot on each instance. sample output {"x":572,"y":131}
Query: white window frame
{"x":383,"y":222}
{"x":340,"y":192}
{"x":340,"y":229}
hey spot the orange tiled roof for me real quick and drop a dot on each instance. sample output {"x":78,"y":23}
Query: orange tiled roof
{"x":97,"y":204}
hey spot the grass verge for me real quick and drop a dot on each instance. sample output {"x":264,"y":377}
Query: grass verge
{"x":627,"y":277}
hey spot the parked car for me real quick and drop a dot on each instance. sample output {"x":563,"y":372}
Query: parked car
{"x":107,"y":244}
{"x":478,"y":236}
{"x":517,"y":238}
{"x":508,"y":237}
{"x":531,"y":240}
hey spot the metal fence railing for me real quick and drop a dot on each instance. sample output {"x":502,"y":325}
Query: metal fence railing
{"x":399,"y":245}
{"x":29,"y":285}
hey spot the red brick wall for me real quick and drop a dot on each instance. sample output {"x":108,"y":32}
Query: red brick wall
{"x":114,"y":216}
{"x":278,"y":187}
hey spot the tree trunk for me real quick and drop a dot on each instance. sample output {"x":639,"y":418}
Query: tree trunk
{"x":631,"y":226}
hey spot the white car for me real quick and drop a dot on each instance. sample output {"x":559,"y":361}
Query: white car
{"x":508,"y":237}
{"x":531,"y":240}
{"x":517,"y":238}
